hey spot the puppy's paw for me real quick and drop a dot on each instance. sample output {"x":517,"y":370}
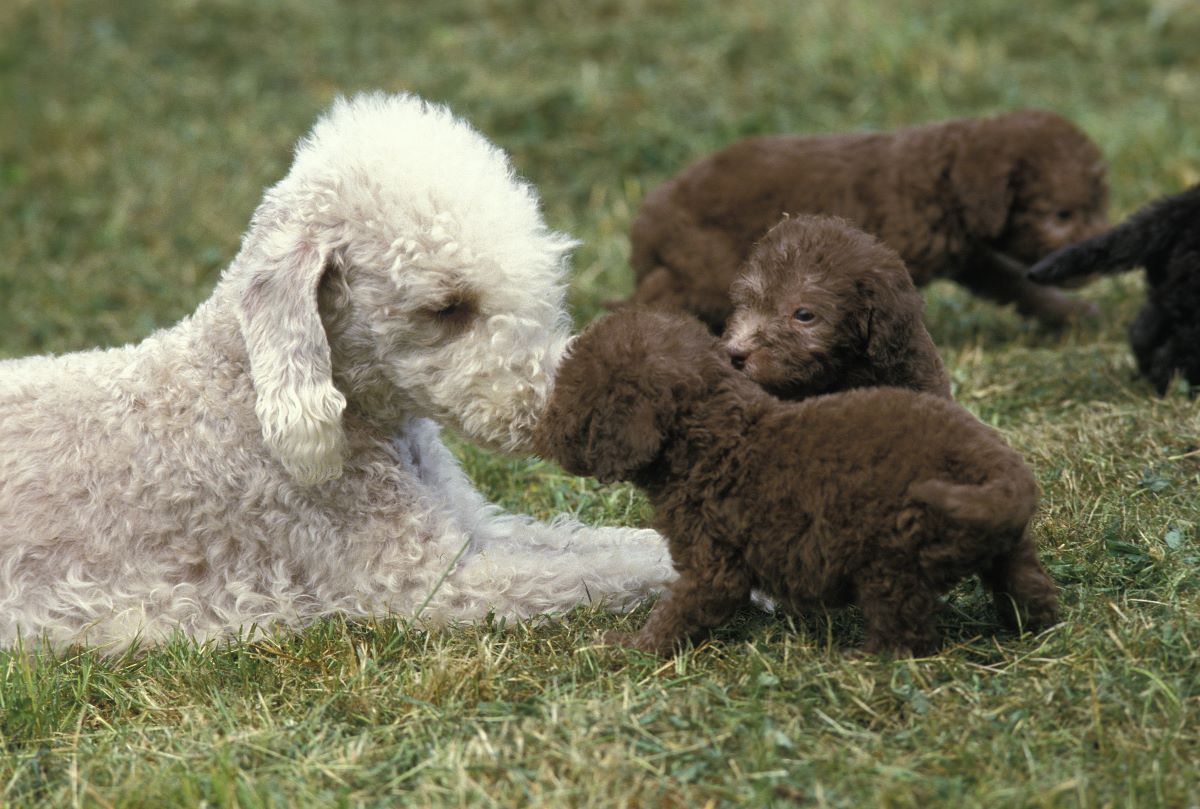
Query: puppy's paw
{"x":896,"y":649}
{"x":614,"y":637}
{"x":1057,"y":310}
{"x":880,"y":651}
{"x":641,"y":642}
{"x":1084,"y":310}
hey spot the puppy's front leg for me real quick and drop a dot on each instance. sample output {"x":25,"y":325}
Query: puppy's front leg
{"x":694,"y":603}
{"x":998,"y":278}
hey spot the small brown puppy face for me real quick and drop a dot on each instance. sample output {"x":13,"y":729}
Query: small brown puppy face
{"x":1056,"y":205}
{"x":816,"y":299}
{"x":1056,"y":182}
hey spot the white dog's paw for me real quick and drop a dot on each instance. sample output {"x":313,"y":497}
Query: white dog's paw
{"x":621,"y":537}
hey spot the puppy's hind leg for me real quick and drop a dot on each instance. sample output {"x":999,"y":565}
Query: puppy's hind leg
{"x":1147,"y":334}
{"x":1023,"y":592}
{"x":900,"y":608}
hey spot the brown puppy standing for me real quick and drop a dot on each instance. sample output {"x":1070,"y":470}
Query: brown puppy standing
{"x":821,"y":306}
{"x":971,"y":199}
{"x":880,"y":497}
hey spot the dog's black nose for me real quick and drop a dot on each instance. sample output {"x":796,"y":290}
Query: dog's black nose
{"x":738,"y":357}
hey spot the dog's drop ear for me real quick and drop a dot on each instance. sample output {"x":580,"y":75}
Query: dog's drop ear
{"x":887,"y":334}
{"x":984,"y":181}
{"x":290,"y":365}
{"x":866,"y":325}
{"x":608,"y":433}
{"x":620,"y":443}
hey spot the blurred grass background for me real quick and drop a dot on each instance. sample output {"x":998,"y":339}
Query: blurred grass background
{"x":135,"y":141}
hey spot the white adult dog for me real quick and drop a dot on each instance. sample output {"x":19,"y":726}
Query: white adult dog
{"x":276,"y":456}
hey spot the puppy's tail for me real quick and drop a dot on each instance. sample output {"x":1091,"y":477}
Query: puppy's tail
{"x":1148,"y":231}
{"x":1113,"y":251}
{"x":1004,"y":502}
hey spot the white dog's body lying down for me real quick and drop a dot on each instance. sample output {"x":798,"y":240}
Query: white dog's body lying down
{"x":274,"y":457}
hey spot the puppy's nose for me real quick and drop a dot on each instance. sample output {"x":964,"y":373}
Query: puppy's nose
{"x":737,"y":355}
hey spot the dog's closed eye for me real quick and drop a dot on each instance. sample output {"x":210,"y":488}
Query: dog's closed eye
{"x":456,"y":312}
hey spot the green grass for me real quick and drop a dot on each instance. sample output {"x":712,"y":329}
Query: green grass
{"x":136,"y":140}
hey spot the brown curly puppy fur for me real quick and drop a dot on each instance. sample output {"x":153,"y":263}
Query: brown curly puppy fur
{"x":821,"y":306}
{"x":971,"y":199}
{"x":880,"y":497}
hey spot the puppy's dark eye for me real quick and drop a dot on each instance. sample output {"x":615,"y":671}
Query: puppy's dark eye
{"x":803,"y":315}
{"x":1064,"y":214}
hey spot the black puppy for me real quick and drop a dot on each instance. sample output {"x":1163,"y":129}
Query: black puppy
{"x":1163,"y":237}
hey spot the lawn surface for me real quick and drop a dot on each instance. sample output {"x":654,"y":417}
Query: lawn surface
{"x":137,"y":136}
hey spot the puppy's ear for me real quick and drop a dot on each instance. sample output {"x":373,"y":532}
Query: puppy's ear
{"x":608,"y":433}
{"x":300,"y":410}
{"x":887,"y":327}
{"x":622,"y":440}
{"x":875,"y":337}
{"x":984,"y":183}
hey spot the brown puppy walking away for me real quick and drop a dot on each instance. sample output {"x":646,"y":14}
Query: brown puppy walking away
{"x":821,"y":306}
{"x":972,"y":199}
{"x":880,"y":497}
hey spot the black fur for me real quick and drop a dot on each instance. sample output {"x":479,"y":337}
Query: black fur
{"x":1163,"y":237}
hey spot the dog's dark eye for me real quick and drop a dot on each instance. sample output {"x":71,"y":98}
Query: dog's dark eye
{"x":803,"y":315}
{"x":1064,"y":214}
{"x":456,"y":312}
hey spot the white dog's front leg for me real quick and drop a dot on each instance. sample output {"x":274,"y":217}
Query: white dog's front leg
{"x":441,"y":472}
{"x":519,"y":566}
{"x":515,"y":581}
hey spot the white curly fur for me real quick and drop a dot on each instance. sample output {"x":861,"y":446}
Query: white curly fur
{"x":276,"y":456}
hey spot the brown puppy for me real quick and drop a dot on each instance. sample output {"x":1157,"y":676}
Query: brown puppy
{"x":821,"y":306}
{"x":881,"y":496}
{"x":969,"y":199}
